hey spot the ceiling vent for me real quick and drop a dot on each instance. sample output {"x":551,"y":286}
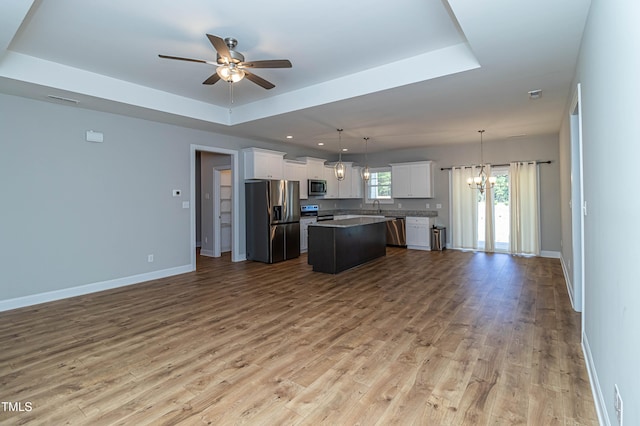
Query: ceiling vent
{"x":535,"y":94}
{"x":60,"y":98}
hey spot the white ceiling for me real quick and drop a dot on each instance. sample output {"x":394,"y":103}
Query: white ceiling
{"x":406,"y":74}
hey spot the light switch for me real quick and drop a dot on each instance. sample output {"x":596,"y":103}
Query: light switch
{"x":185,"y":204}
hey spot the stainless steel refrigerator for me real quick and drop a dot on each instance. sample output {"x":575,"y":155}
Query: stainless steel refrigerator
{"x":273,"y":220}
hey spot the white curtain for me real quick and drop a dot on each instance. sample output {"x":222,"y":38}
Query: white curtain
{"x":464,"y":209}
{"x":489,"y":233}
{"x":525,"y":223}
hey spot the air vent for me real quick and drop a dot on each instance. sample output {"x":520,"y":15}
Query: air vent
{"x":535,"y":94}
{"x":60,"y":98}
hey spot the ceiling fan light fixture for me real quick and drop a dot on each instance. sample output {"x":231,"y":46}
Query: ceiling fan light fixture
{"x":230,"y":73}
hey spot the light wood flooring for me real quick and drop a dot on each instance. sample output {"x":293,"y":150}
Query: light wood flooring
{"x":413,"y":338}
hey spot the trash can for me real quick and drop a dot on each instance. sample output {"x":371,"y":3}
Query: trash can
{"x":438,"y":238}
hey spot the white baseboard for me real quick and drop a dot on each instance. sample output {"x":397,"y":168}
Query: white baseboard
{"x":208,"y":253}
{"x":550,"y":254}
{"x":419,"y":248}
{"x":50,"y":296}
{"x":601,"y":407}
{"x":567,"y":280}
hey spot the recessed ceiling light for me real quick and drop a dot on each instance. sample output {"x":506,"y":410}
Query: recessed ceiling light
{"x":289,"y":137}
{"x":320,"y":143}
{"x":345,"y":149}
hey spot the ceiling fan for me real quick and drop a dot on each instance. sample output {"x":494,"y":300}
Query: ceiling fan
{"x":231,"y":64}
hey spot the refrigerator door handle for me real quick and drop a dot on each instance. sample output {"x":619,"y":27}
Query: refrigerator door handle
{"x":277,"y":213}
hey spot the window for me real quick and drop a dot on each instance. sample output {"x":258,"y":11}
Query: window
{"x":379,"y":185}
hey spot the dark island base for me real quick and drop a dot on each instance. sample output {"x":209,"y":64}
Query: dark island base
{"x":336,"y":249}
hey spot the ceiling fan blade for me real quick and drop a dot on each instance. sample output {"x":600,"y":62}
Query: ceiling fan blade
{"x":213,"y":79}
{"x":184,"y":59}
{"x":220,"y":46}
{"x":259,"y":80}
{"x":274,"y":63}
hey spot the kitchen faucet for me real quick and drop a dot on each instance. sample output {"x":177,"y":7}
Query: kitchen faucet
{"x":374,"y":205}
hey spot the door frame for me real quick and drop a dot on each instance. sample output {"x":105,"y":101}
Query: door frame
{"x":217,"y":252}
{"x":577,"y":201}
{"x":236,"y":256}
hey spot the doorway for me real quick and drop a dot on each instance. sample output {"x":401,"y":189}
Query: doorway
{"x":501,"y":211}
{"x":222,"y":210}
{"x":231,"y":164}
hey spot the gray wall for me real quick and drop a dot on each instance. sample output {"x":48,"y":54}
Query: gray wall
{"x":608,"y":71}
{"x":496,"y":152}
{"x":78,"y":213}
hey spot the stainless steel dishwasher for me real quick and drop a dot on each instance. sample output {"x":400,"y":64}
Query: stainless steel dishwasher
{"x":397,"y":232}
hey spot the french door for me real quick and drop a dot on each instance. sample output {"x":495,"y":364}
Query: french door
{"x":501,"y":211}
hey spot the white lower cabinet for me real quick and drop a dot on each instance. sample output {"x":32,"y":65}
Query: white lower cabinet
{"x":419,"y":232}
{"x":304,"y":232}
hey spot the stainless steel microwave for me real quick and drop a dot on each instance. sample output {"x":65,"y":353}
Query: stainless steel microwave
{"x":317,"y":187}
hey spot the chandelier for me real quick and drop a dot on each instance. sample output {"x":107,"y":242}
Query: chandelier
{"x":339,"y":168}
{"x":481,"y":181}
{"x":366,"y":173}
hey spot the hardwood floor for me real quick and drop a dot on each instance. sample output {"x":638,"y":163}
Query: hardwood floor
{"x":424,"y":338}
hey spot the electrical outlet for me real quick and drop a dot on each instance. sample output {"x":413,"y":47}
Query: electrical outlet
{"x":438,"y":206}
{"x":617,"y":404}
{"x":428,"y":205}
{"x":150,"y":258}
{"x":399,"y":205}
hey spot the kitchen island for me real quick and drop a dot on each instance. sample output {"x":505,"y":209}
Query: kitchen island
{"x":338,"y":245}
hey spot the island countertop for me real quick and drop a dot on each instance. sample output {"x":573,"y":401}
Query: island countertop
{"x":338,"y":245}
{"x":354,"y":221}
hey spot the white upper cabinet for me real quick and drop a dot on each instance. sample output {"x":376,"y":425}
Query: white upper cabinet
{"x":349,"y":187}
{"x":344,"y":186}
{"x":332,"y":182}
{"x":412,"y":180}
{"x":263,"y":164}
{"x":297,"y":170}
{"x":357,"y":184}
{"x":315,"y":167}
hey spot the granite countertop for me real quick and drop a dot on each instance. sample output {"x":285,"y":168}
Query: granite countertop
{"x":393,"y":213}
{"x":355,"y":221}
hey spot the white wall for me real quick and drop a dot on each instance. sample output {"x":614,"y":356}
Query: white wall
{"x":609,"y":73}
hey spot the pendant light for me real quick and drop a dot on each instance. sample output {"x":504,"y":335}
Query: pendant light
{"x":339,"y":168}
{"x":481,"y":181}
{"x":366,"y":173}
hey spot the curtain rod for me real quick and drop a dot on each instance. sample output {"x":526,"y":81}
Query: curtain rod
{"x":501,"y":165}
